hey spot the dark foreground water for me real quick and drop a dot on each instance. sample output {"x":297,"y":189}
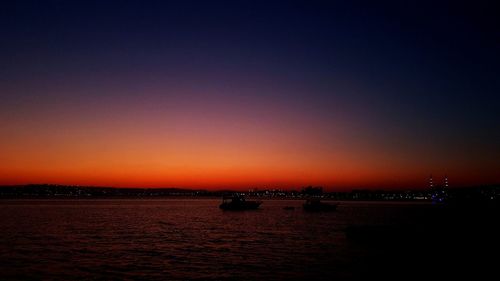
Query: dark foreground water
{"x":193,"y":239}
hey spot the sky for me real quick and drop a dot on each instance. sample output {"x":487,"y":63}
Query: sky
{"x":245,"y":94}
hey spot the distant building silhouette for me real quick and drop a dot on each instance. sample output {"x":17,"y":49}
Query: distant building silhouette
{"x":312,"y":191}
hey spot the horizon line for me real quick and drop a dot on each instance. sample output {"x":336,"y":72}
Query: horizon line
{"x":246,"y":189}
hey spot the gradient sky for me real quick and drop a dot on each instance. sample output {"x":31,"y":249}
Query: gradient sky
{"x":212,"y":94}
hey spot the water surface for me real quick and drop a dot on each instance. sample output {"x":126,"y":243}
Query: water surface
{"x":174,"y":239}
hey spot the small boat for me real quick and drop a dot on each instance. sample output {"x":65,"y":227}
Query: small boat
{"x":237,"y":202}
{"x":315,"y":205}
{"x":288,"y":208}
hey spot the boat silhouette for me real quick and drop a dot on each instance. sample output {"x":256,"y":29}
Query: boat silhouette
{"x":315,"y":205}
{"x":238,"y":202}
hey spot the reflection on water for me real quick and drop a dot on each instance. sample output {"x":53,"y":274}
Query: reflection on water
{"x":193,"y":239}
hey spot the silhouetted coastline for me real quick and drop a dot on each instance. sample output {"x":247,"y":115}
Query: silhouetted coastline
{"x":473,"y":195}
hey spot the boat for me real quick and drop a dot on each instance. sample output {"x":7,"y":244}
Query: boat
{"x":315,"y":205}
{"x":238,"y":202}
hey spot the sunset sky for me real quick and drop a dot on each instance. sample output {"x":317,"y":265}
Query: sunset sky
{"x":216,"y":94}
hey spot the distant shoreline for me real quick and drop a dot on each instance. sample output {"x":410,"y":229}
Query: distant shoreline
{"x":51,"y":192}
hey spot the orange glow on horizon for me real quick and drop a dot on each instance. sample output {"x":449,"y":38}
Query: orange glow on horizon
{"x":207,"y":149}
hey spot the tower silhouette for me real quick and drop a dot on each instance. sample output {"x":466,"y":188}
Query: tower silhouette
{"x":439,"y":191}
{"x":443,"y":184}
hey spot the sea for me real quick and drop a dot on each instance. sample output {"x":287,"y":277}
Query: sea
{"x":192,"y":239}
